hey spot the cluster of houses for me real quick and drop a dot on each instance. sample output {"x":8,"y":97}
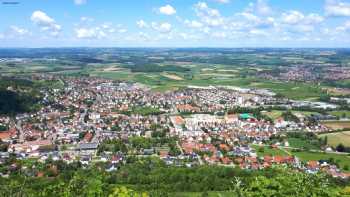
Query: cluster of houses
{"x":76,"y":119}
{"x":309,"y":72}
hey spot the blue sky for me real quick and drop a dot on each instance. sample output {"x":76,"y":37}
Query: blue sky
{"x":175,"y":23}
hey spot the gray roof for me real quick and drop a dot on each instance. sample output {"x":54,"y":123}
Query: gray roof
{"x":88,"y":146}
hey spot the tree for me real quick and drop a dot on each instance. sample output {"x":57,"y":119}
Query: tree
{"x":340,"y":148}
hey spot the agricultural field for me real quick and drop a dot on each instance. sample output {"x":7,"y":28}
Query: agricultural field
{"x":336,"y":125}
{"x":333,"y":139}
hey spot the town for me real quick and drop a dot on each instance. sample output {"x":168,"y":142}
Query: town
{"x":93,"y":120}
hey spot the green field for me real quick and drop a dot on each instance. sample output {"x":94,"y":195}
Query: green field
{"x":340,"y":113}
{"x":301,"y":143}
{"x":268,"y":151}
{"x":343,"y":159}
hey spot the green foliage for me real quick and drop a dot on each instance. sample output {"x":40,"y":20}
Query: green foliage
{"x":289,"y":116}
{"x":153,"y":176}
{"x":114,"y":146}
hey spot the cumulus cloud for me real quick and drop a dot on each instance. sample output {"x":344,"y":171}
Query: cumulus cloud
{"x":86,"y":33}
{"x":257,"y":22}
{"x":295,"y":17}
{"x":193,"y":24}
{"x":161,"y":27}
{"x":80,"y":2}
{"x":292,"y":17}
{"x":167,"y":10}
{"x":19,"y":31}
{"x":45,"y":22}
{"x":105,"y":30}
{"x":90,"y":33}
{"x":141,"y":24}
{"x":337,"y":8}
{"x":208,"y":16}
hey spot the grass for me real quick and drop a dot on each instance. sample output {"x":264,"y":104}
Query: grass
{"x":268,"y":151}
{"x":333,"y":139}
{"x":300,"y":143}
{"x":340,"y":113}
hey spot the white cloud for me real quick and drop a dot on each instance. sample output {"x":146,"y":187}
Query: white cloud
{"x":337,"y":8}
{"x":313,"y":19}
{"x":222,"y":1}
{"x":80,"y":2}
{"x":90,"y":33}
{"x":161,"y":27}
{"x":86,"y":33}
{"x":142,"y":24}
{"x":19,"y":31}
{"x":86,"y":19}
{"x":263,"y":8}
{"x":122,"y":31}
{"x":292,"y":17}
{"x":167,"y":10}
{"x":258,"y":32}
{"x":343,"y":28}
{"x":46,"y":23}
{"x":295,"y":17}
{"x":105,"y":30}
{"x":221,"y":35}
{"x":208,"y":16}
{"x":257,"y":22}
{"x":193,"y":24}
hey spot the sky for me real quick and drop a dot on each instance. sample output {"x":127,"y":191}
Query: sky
{"x":175,"y":23}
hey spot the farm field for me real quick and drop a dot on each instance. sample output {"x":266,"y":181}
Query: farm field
{"x":333,"y":139}
{"x":335,"y":125}
{"x":161,"y":80}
